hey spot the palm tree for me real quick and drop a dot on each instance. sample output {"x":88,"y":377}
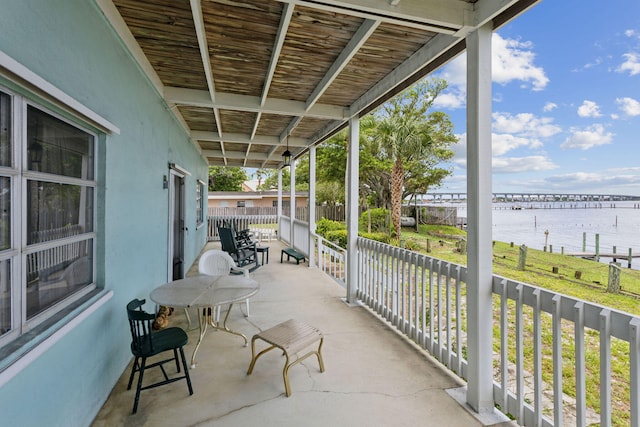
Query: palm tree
{"x":405,"y":134}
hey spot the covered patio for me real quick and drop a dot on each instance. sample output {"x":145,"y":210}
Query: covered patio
{"x":166,"y":88}
{"x":373,"y":376}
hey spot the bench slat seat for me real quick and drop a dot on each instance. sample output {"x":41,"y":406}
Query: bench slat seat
{"x":291,"y":252}
{"x":291,"y":337}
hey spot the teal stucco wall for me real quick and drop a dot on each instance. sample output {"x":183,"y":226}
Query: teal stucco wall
{"x":69,"y":44}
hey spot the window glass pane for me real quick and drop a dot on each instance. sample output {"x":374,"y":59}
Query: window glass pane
{"x":56,"y":147}
{"x":55,"y":211}
{"x":5,"y":213}
{"x":5,"y":296}
{"x":5,"y":129}
{"x":55,"y":273}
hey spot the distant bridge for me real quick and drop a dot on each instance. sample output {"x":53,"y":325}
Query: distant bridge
{"x":531,"y":197}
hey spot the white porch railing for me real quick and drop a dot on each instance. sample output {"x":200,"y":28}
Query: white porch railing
{"x":300,"y":234}
{"x":284,"y":229}
{"x":541,"y":338}
{"x":240,"y":222}
{"x":331,"y":259}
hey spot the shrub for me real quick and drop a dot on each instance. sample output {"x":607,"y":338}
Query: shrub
{"x":339,"y":237}
{"x":324,"y":225}
{"x":412,"y":245}
{"x":379,"y":220}
{"x":378,"y":237}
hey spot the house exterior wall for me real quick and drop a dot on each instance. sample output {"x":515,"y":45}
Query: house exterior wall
{"x":230,"y":199}
{"x":70,"y":45}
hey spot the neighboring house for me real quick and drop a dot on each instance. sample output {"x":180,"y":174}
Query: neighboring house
{"x":254,"y":199}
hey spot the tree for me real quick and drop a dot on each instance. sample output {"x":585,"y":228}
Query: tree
{"x":412,"y":140}
{"x":222,"y":178}
{"x":302,"y":177}
{"x":260,"y":174}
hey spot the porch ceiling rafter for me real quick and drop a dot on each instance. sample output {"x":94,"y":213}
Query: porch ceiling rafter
{"x":243,"y":74}
{"x":442,"y":16}
{"x":198,"y":20}
{"x":230,"y":101}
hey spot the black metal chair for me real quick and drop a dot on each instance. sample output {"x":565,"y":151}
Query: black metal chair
{"x":242,"y":253}
{"x":146,"y":343}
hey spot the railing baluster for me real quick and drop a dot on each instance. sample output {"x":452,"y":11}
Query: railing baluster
{"x":634,"y":370}
{"x":431,"y":308}
{"x":556,"y":304}
{"x":519,"y":355}
{"x":448,"y":313}
{"x":537,"y":359}
{"x":605,"y":368}
{"x":458,"y":321}
{"x":581,"y":397}
{"x":423,"y":299}
{"x":504,"y":343}
{"x":438,"y":349}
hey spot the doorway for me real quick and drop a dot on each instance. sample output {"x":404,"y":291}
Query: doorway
{"x":177,"y":229}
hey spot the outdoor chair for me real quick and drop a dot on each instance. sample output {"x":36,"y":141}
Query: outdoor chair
{"x":219,"y":263}
{"x":243,"y":254}
{"x":146,"y":343}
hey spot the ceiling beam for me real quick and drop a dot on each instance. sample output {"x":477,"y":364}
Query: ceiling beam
{"x":359,"y":38}
{"x":240,"y":138}
{"x":285,"y":20}
{"x":229,"y":101}
{"x":235,"y":155}
{"x":442,"y":16}
{"x":423,"y":56}
{"x":198,"y":22}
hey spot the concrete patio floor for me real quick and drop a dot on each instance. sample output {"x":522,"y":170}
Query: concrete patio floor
{"x":373,"y":376}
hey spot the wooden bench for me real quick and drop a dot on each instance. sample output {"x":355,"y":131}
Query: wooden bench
{"x":292,"y":253}
{"x":291,"y":337}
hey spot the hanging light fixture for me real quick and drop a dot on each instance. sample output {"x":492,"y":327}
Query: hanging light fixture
{"x":286,"y":156}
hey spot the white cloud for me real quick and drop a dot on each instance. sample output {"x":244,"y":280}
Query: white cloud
{"x":503,"y":143}
{"x":631,"y":64}
{"x":629,"y":106}
{"x":549,"y":106}
{"x":632,"y":33}
{"x":513,"y":60}
{"x":524,"y":124}
{"x":522,"y":164}
{"x":451,"y":99}
{"x":589,"y":109}
{"x":590,"y":137}
{"x":607,"y":180}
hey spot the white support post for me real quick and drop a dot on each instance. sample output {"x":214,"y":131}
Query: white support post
{"x":292,"y":200}
{"x":479,"y":249}
{"x":312,"y":205}
{"x":279,"y":205}
{"x":353,"y":166}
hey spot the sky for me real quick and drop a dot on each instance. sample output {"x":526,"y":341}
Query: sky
{"x":566,"y":100}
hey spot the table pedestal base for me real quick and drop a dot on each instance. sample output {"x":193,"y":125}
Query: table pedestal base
{"x":206,"y":319}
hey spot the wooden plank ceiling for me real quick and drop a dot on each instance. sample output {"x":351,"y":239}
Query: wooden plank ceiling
{"x":247,"y":78}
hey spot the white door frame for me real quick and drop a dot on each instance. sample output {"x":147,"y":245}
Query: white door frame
{"x":176,"y":174}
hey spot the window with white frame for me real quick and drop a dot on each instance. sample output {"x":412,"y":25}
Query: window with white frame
{"x":47,"y":213}
{"x":200,"y":207}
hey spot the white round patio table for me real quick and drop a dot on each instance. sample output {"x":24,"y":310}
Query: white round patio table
{"x":205,"y":293}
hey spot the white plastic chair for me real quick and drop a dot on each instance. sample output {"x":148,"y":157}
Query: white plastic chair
{"x":215,"y":262}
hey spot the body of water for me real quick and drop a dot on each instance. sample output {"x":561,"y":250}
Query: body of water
{"x":616,"y":223}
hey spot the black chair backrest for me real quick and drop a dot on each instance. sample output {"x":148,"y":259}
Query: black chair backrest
{"x":140,"y":323}
{"x":227,"y":240}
